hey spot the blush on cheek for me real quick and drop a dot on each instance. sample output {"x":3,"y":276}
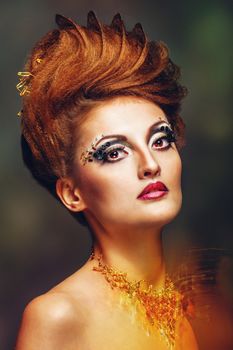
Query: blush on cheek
{"x":92,"y":187}
{"x":177,"y":169}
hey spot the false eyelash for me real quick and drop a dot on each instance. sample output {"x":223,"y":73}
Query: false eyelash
{"x":163,"y":138}
{"x":171,"y":137}
{"x":101,"y":154}
{"x":168,"y":136}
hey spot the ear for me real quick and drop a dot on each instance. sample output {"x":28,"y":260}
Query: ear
{"x":69,"y":194}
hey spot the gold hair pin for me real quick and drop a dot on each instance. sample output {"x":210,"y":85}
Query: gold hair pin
{"x":24,"y":79}
{"x":20,"y":114}
{"x":22,"y":86}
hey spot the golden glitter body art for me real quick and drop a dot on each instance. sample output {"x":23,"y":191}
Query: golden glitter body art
{"x":157,"y":309}
{"x":87,"y":155}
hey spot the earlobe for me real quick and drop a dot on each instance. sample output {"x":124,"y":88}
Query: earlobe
{"x":69,"y":194}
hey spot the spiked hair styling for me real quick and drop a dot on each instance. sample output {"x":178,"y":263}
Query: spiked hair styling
{"x":75,"y":67}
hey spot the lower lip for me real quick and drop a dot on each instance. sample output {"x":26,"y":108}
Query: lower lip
{"x":153,"y":195}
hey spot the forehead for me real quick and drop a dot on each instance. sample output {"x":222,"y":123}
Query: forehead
{"x":122,"y":115}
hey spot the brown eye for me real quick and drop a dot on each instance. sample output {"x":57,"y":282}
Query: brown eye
{"x":113,"y":154}
{"x":160,"y":143}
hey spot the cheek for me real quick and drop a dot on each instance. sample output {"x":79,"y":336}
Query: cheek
{"x":102,"y":185}
{"x":178,"y":170}
{"x":173,"y":169}
{"x":92,"y":186}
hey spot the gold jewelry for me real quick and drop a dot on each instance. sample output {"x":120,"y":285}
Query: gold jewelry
{"x":20,"y":114}
{"x":23,"y":85}
{"x":158,"y":309}
{"x":24,"y":79}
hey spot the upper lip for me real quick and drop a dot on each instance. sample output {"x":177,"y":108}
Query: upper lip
{"x":156,"y":186}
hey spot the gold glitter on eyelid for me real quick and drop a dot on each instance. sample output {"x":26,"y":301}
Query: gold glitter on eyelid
{"x":86,"y":155}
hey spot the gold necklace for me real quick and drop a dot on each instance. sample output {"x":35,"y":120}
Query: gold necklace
{"x":159,"y":309}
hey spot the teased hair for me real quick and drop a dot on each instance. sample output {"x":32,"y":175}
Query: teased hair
{"x":72,"y":69}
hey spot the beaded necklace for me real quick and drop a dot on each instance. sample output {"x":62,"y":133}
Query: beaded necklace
{"x":158,"y":309}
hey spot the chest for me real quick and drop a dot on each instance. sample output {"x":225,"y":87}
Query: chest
{"x":115,"y":325}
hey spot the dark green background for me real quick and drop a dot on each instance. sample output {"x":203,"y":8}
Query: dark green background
{"x":40,"y":243}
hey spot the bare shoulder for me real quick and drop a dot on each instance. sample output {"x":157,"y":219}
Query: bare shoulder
{"x":58,"y":318}
{"x":48,"y":321}
{"x":57,"y":307}
{"x":186,"y":336}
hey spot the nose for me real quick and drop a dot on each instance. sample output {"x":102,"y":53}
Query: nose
{"x":148,"y":166}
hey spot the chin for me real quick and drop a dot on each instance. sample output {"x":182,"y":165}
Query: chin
{"x":162,"y":214}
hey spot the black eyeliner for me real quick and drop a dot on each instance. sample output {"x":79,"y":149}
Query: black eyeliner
{"x":100,"y":152}
{"x":167,"y":130}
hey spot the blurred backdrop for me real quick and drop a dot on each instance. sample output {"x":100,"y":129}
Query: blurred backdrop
{"x":40,"y":243}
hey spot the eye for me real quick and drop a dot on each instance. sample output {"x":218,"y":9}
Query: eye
{"x":162,"y":138}
{"x":115,"y":154}
{"x":110,"y":154}
{"x":161,"y":143}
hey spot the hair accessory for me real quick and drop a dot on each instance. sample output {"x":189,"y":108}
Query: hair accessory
{"x":87,"y":155}
{"x":20,"y":113}
{"x":156,"y":309}
{"x":24,"y":79}
{"x":23,"y":85}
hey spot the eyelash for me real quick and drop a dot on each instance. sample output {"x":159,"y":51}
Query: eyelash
{"x":105,"y":159}
{"x":168,"y":138}
{"x":102,"y":155}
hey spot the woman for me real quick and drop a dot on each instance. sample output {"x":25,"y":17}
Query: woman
{"x":101,"y":131}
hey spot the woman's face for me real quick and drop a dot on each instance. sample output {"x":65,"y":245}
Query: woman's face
{"x":139,"y":150}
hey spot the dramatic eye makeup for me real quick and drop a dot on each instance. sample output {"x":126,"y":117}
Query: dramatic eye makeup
{"x":160,"y":137}
{"x":111,"y":151}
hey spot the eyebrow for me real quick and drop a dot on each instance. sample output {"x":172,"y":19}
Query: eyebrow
{"x":124,"y":138}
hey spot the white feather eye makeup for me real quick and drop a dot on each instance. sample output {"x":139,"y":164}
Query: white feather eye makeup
{"x":111,"y":151}
{"x":107,"y":151}
{"x":162,"y":137}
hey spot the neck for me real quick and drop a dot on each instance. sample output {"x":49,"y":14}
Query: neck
{"x":138,"y":253}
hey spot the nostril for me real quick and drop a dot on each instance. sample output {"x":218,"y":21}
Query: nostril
{"x":148,"y":167}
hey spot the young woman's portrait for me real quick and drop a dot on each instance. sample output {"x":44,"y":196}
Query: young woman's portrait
{"x":105,"y":261}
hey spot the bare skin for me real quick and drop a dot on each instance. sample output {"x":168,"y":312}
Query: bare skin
{"x":83,"y":312}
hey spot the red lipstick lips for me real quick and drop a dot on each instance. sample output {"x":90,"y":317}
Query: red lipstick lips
{"x":153,"y":191}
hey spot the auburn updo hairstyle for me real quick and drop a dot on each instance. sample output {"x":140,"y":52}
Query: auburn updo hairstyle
{"x":74,"y":67}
